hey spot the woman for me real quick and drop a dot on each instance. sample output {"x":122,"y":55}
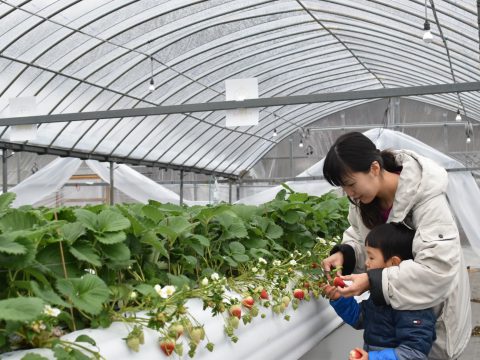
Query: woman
{"x":406,"y":188}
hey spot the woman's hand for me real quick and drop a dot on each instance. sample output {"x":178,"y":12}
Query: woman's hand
{"x":359,"y":285}
{"x":355,"y":354}
{"x":333,"y":261}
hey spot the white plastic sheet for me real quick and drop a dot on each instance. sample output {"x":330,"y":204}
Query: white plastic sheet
{"x":134,"y":184}
{"x":272,"y":338}
{"x":45,"y":181}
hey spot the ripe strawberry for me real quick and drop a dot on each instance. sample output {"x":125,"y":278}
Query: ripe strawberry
{"x":248,"y":302}
{"x":355,"y":354}
{"x":168,"y":346}
{"x":314,"y":265}
{"x":236,"y":310}
{"x":264,"y":294}
{"x":306,"y":285}
{"x":338,"y":282}
{"x":299,"y":294}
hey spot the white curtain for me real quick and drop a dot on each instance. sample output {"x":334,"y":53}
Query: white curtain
{"x":45,"y":181}
{"x":134,"y":184}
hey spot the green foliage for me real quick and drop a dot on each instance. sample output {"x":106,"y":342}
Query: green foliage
{"x":20,"y":309}
{"x":87,"y":261}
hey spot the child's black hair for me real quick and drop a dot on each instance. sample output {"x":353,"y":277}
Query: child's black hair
{"x":392,"y":239}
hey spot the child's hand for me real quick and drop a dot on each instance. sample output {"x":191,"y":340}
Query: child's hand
{"x":331,"y":292}
{"x":358,"y":354}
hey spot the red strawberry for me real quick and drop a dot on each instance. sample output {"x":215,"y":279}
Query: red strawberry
{"x":236,"y":310}
{"x":264,"y":294}
{"x":168,"y":346}
{"x":306,"y":285}
{"x":314,"y":265}
{"x":299,"y":294}
{"x":248,"y":302}
{"x":355,"y":354}
{"x":338,"y":282}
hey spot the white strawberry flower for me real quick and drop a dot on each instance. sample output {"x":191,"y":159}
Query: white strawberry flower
{"x":309,"y":253}
{"x":48,"y":310}
{"x":262,"y":261}
{"x":254,"y":269}
{"x":158,"y":289}
{"x":293,"y":262}
{"x":214,"y":276}
{"x":167,"y":291}
{"x":133,"y":295}
{"x":204,"y":281}
{"x":332,"y":243}
{"x":276,"y":262}
{"x":90,"y":271}
{"x":321,"y":240}
{"x":261,"y":272}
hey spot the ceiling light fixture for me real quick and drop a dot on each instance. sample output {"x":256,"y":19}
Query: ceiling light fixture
{"x":300,"y":144}
{"x":151,"y":87}
{"x":427,"y":36}
{"x":458,"y":117}
{"x":468,"y":131}
{"x":275,"y":134}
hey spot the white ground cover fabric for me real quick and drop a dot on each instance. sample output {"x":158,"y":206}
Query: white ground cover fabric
{"x":272,"y":338}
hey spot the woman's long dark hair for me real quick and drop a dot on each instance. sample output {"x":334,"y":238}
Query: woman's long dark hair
{"x":354,"y":152}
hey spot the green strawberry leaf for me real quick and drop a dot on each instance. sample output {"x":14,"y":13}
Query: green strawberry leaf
{"x":47,"y":294}
{"x":87,"y":218}
{"x":6,"y":200}
{"x":72,"y":231}
{"x":109,"y":238}
{"x":11,"y":247}
{"x":111,"y":221}
{"x":87,"y":293}
{"x":85,"y":252}
{"x":21,"y":309}
{"x":86,"y":339}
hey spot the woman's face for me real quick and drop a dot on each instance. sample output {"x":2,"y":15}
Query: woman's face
{"x":363,"y":187}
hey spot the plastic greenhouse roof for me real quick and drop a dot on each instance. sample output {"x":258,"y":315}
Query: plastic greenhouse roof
{"x":96,"y":56}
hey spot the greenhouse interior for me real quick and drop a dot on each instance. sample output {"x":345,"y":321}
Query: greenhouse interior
{"x":166,"y":189}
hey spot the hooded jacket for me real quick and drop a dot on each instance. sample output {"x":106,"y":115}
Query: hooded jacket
{"x":437,"y":277}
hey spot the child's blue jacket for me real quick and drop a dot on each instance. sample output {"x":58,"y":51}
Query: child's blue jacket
{"x":394,"y":334}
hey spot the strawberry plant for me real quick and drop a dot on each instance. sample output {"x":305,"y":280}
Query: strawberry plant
{"x":70,"y":268}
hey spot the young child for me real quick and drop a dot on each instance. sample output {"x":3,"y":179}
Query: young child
{"x":388,"y":333}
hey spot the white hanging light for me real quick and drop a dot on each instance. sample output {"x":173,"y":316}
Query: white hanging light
{"x":151,"y":86}
{"x":468,"y":132}
{"x":275,"y":133}
{"x":427,"y":35}
{"x":458,"y":117}
{"x":300,"y":144}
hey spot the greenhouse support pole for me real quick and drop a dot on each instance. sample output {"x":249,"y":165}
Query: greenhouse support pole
{"x":229,"y":192}
{"x":181,"y":187}
{"x":4,"y":171}
{"x":111,"y":183}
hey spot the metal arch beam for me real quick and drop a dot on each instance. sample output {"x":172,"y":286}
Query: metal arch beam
{"x":106,"y":158}
{"x":249,"y":103}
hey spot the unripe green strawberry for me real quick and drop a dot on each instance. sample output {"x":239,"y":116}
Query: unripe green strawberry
{"x":175,"y":330}
{"x":197,"y":334}
{"x":234,"y":321}
{"x":286,"y":300}
{"x":254,"y":311}
{"x":210,"y":346}
{"x":141,"y":337}
{"x":133,"y":343}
